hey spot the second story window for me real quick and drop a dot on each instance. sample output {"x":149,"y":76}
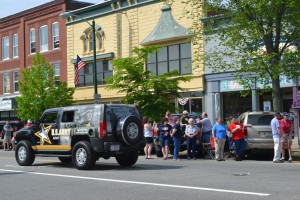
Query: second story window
{"x":44,"y":38}
{"x":169,"y":58}
{"x":88,"y":44}
{"x":5,"y":48}
{"x":104,"y":70}
{"x":15,"y":46}
{"x":56,"y":67}
{"x":55,"y":35}
{"x":6,"y":83}
{"x":32,"y":41}
{"x":16,"y":81}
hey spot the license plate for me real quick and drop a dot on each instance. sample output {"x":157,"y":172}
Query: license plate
{"x":114,"y":147}
{"x":265,"y":134}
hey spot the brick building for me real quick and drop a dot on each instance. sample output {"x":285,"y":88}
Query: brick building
{"x":22,"y":35}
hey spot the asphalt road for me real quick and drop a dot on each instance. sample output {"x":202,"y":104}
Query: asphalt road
{"x":149,"y":179}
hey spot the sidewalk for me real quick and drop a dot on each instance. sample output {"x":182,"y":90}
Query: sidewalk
{"x":296,"y":149}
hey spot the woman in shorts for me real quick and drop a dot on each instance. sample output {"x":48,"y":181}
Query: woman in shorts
{"x":164,"y":130}
{"x":286,"y":130}
{"x":148,"y":134}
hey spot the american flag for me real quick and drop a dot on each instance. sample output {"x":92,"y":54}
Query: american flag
{"x":79,"y":64}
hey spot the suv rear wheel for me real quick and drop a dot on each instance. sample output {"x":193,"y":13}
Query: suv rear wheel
{"x":24,"y":153}
{"x":83,"y":155}
{"x":127,"y":158}
{"x":129,"y":130}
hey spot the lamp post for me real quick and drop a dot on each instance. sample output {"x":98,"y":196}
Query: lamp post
{"x":93,"y":26}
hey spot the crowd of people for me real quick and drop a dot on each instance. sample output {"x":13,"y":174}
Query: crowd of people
{"x":174,"y":128}
{"x":8,"y":135}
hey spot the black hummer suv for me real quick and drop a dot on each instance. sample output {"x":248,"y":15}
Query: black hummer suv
{"x":83,"y":134}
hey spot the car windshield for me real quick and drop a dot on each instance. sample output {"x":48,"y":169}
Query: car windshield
{"x":263,"y":120}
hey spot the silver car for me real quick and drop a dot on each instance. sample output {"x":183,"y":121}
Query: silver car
{"x":259,"y":134}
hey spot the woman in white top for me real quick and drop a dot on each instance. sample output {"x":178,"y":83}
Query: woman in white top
{"x":148,"y":134}
{"x":190,"y":134}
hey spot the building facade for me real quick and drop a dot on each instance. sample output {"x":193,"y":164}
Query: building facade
{"x":22,"y":35}
{"x":223,"y":93}
{"x":121,"y":26}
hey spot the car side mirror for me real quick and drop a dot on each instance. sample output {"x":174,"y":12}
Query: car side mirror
{"x":37,"y":122}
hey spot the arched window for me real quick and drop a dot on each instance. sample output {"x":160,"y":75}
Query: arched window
{"x":91,"y":47}
{"x":87,"y":39}
{"x":84,"y":42}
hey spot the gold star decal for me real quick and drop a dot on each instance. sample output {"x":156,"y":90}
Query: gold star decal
{"x":43,"y":135}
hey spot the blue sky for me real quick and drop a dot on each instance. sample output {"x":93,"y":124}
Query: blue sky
{"x":10,"y":7}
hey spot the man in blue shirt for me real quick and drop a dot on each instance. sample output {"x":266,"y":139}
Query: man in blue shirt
{"x":177,"y":136}
{"x":276,"y":131}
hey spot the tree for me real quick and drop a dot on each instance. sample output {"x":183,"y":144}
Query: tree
{"x":150,"y":92}
{"x":40,"y":90}
{"x":259,"y":40}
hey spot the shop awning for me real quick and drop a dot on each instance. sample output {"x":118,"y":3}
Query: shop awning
{"x":167,"y":29}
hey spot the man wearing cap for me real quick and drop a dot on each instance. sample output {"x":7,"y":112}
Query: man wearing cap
{"x":29,"y":123}
{"x":286,"y":130}
{"x":206,"y":127}
{"x":184,"y":120}
{"x":276,"y":132}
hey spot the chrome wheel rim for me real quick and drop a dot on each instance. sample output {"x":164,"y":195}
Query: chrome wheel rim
{"x":22,"y":153}
{"x":81,"y":156}
{"x":132,"y":130}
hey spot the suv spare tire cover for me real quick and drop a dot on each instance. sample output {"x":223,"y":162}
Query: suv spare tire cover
{"x":130,"y":130}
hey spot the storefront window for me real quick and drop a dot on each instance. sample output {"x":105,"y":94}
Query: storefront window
{"x":192,"y":105}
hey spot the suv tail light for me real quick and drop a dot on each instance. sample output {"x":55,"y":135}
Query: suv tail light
{"x":102,"y":129}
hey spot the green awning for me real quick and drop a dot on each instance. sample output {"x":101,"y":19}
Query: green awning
{"x":167,"y":29}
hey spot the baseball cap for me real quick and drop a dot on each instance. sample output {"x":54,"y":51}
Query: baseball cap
{"x":185,"y":112}
{"x":285,"y":114}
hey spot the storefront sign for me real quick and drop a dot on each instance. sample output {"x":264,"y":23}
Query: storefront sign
{"x":296,"y":103}
{"x":234,"y":85}
{"x":267,"y":105}
{"x":230,"y":85}
{"x":5,"y":105}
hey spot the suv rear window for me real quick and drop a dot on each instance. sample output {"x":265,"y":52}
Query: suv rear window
{"x":263,"y":120}
{"x":121,"y":111}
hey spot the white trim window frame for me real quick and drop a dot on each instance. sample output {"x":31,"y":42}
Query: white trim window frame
{"x":43,"y":38}
{"x":16,"y":81}
{"x":5,"y":48}
{"x":15,"y":45}
{"x":56,"y":68}
{"x":32,"y":40}
{"x":55,"y":35}
{"x":6,"y":83}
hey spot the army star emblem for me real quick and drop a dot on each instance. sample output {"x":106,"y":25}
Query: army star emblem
{"x":43,"y":135}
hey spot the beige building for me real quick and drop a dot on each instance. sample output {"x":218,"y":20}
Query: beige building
{"x":122,"y":25}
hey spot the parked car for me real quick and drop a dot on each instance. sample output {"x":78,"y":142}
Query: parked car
{"x":82,"y":134}
{"x":259,"y":134}
{"x":194,"y":116}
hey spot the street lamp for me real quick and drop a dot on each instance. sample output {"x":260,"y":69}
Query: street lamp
{"x":93,"y":26}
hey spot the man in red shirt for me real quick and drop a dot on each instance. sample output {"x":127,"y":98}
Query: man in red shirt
{"x":238,"y":137}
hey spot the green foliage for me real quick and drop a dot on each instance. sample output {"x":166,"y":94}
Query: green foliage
{"x":258,"y":39}
{"x":151,"y":92}
{"x":39,"y":90}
